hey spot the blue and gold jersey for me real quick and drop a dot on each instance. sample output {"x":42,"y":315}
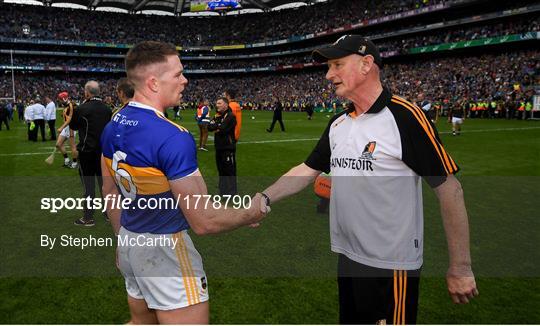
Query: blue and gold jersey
{"x":143,"y":151}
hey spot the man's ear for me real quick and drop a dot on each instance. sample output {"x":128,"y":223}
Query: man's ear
{"x":367,"y":64}
{"x":152,"y":83}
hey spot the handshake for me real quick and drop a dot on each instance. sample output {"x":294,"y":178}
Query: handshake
{"x":260,"y":206}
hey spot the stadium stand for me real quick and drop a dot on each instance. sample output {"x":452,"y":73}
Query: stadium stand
{"x":54,"y":49}
{"x":69,"y":24}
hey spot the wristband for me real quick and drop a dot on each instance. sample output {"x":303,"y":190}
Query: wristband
{"x":266,"y":198}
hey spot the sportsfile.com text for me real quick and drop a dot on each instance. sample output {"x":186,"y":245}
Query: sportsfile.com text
{"x":56,"y":204}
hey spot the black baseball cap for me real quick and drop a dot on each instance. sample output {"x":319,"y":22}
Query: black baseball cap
{"x":347,"y":45}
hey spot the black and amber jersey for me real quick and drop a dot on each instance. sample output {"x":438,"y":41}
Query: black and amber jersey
{"x":460,"y":110}
{"x":377,"y":161}
{"x":68,"y":109}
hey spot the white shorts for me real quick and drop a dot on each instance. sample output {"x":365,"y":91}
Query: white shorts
{"x":165,"y":277}
{"x":65,"y":132}
{"x":457,"y":121}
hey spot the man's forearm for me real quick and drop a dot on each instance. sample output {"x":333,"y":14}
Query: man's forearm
{"x":291,"y":182}
{"x":223,"y":220}
{"x":109,"y":190}
{"x":113,"y":213}
{"x":456,"y":225}
{"x":114,"y":217}
{"x":204,"y":218}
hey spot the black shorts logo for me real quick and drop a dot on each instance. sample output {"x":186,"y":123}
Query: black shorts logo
{"x":203,"y":283}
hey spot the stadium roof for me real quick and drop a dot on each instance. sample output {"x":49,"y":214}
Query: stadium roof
{"x":176,"y":7}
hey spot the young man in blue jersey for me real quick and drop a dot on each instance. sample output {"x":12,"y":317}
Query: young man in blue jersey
{"x":147,"y":157}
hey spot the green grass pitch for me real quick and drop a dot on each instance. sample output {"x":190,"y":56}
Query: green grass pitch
{"x":283,"y":272}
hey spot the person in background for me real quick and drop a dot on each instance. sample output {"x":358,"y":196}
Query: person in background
{"x":124,"y":91}
{"x":230,"y":95}
{"x":176,"y":110}
{"x":457,"y":115}
{"x":39,"y":118}
{"x":29,"y":119}
{"x":4,"y":116}
{"x":308,"y":106}
{"x":20,"y":110}
{"x":10,"y":109}
{"x":65,"y":132}
{"x":427,"y":107}
{"x":277,"y":117}
{"x":223,"y":125}
{"x":90,"y":119}
{"x":109,"y":102}
{"x":50,"y":116}
{"x":203,"y":119}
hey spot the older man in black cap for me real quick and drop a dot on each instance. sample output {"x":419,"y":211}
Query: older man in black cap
{"x":378,"y":151}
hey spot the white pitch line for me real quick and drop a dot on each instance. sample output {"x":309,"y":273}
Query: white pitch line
{"x":488,"y":130}
{"x":269,"y":121}
{"x":25,"y":154}
{"x":307,"y":139}
{"x":276,"y":141}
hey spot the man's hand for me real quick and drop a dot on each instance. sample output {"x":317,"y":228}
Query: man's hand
{"x":258,"y":209}
{"x":259,"y":203}
{"x":461,"y":285}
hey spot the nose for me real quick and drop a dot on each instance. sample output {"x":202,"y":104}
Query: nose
{"x":330,"y":74}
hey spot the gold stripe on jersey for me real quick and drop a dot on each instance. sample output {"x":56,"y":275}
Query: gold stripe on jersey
{"x":159,"y":114}
{"x":447,"y":157}
{"x":417,"y":116}
{"x":447,"y":162}
{"x":116,"y":110}
{"x":148,"y":180}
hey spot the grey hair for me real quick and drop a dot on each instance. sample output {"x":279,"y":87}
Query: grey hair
{"x":92,"y":87}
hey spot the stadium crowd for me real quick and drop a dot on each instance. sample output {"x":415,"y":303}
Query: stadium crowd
{"x":80,"y":25}
{"x":463,"y":33}
{"x":445,"y":80}
{"x":460,"y":33}
{"x":80,"y":62}
{"x":30,"y":86}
